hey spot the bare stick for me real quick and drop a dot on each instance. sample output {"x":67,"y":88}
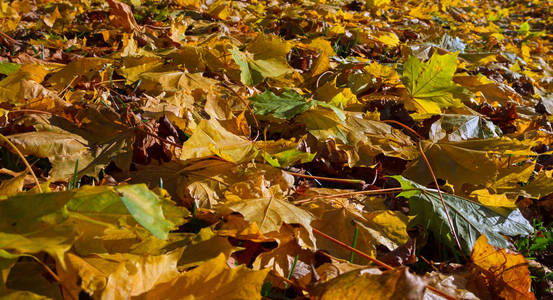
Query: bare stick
{"x":380,"y":191}
{"x":441,"y":198}
{"x":346,"y":246}
{"x":343,"y":180}
{"x":24,"y":160}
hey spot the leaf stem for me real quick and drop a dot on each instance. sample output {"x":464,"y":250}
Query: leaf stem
{"x":404,"y":126}
{"x":346,"y":246}
{"x":24,"y":161}
{"x":354,"y":243}
{"x":376,"y":261}
{"x":441,"y":198}
{"x":369,"y":192}
{"x":292,"y":269}
{"x":244,"y":102}
{"x":342,"y":180}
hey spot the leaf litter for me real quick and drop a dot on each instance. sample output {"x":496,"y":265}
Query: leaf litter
{"x":195,"y":149}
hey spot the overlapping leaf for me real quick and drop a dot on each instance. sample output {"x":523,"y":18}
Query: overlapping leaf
{"x":469,"y":219}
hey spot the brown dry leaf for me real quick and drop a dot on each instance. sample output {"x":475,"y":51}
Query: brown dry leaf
{"x":458,"y":162}
{"x":123,"y":15}
{"x":281,"y":259}
{"x":454,"y":285}
{"x":372,"y":284}
{"x":340,"y":220}
{"x":210,"y":138}
{"x":208,"y":182}
{"x":211,"y":280}
{"x":270,"y":213}
{"x":117,"y":276}
{"x":363,"y":139}
{"x":501,"y":273}
{"x":12,"y":186}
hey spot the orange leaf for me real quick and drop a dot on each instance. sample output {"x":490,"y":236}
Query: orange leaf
{"x":123,"y":15}
{"x":502,"y":273}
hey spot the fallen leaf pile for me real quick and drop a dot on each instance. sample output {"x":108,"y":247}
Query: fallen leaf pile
{"x":215,"y":149}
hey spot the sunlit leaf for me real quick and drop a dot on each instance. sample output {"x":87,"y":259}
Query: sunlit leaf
{"x":501,"y":272}
{"x":430,"y":84}
{"x":373,"y":284}
{"x":469,"y":219}
{"x":212,"y":279}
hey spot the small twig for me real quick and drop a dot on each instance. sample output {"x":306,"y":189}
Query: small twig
{"x":288,"y":281}
{"x":24,"y":161}
{"x":404,"y":126}
{"x":380,"y":191}
{"x":440,"y":293}
{"x":346,"y":246}
{"x":376,"y":261}
{"x":67,"y":86}
{"x":109,"y":81}
{"x":45,"y":266}
{"x":375,"y":176}
{"x":320,"y":76}
{"x":157,"y":27}
{"x":342,"y":180}
{"x":430,"y":264}
{"x":243,"y":101}
{"x":10,"y":38}
{"x":441,"y":198}
{"x":31,"y":111}
{"x":53,"y":274}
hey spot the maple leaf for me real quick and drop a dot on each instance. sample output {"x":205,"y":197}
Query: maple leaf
{"x":500,"y":272}
{"x":470,"y":219}
{"x":270,"y":213}
{"x":373,"y":284}
{"x":210,"y":280}
{"x":170,"y":141}
{"x":210,"y":138}
{"x":287,"y":105}
{"x":430,"y":84}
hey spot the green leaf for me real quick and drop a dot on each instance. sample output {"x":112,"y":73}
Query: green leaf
{"x":145,"y":206}
{"x":429,"y":84}
{"x":51,"y":222}
{"x":524,"y":28}
{"x":32,"y":223}
{"x":288,"y":157}
{"x":7,"y":68}
{"x":242,"y":61}
{"x":264,"y":57}
{"x":470,"y":219}
{"x":287,"y":105}
{"x":283,"y":106}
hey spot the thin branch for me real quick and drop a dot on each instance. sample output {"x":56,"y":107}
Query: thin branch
{"x":376,"y":261}
{"x":440,"y":293}
{"x":441,"y":198}
{"x":10,"y":38}
{"x":67,"y":86}
{"x":24,"y":161}
{"x":342,"y":180}
{"x":369,"y":192}
{"x":346,"y":246}
{"x":404,"y":126}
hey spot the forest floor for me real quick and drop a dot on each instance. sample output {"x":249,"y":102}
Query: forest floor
{"x":331,"y":149}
